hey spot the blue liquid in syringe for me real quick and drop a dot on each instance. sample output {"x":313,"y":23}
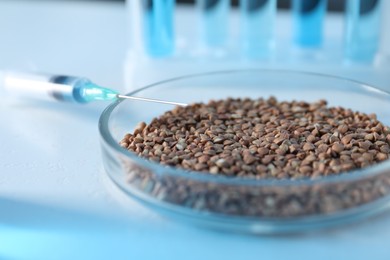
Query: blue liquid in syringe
{"x":158,"y":26}
{"x":308,"y":22}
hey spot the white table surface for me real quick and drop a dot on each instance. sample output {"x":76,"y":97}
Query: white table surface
{"x":56,"y":201}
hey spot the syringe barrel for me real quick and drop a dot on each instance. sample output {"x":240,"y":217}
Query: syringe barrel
{"x":44,"y":86}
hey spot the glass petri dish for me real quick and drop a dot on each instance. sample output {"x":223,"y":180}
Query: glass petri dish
{"x":236,"y":203}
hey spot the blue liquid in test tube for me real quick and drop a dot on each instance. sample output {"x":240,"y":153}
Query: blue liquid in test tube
{"x":362,"y":29}
{"x":214,"y":21}
{"x":257,"y":27}
{"x":158,"y":26}
{"x":308,"y":22}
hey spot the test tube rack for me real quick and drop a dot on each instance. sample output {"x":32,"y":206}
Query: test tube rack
{"x":167,"y":40}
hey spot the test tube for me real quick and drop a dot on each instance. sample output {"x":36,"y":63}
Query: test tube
{"x":309,"y":22}
{"x":384,"y":52}
{"x":257,"y":27}
{"x":214,"y":16}
{"x":362,"y":29}
{"x":158,"y":24}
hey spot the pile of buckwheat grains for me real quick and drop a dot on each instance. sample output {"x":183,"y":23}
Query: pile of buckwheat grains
{"x":262,"y":138}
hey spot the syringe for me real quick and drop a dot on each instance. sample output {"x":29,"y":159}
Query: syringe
{"x":64,"y":89}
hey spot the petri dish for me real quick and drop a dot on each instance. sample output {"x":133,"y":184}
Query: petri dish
{"x":261,"y":206}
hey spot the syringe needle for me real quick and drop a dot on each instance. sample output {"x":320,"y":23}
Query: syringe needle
{"x":152,"y":100}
